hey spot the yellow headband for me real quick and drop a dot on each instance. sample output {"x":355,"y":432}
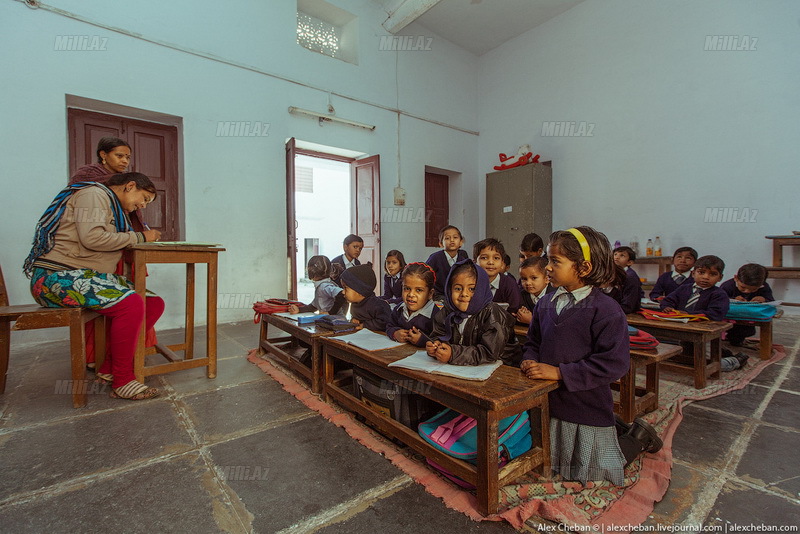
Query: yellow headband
{"x":582,"y":242}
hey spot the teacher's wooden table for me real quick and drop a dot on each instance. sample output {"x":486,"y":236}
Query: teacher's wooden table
{"x":697,"y":333}
{"x":308,"y":333}
{"x":190,"y":254}
{"x":507,"y":392}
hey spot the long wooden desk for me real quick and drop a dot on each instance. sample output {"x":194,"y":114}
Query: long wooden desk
{"x":191,"y":255}
{"x":506,"y":393}
{"x":696,"y":333}
{"x":277,"y":346}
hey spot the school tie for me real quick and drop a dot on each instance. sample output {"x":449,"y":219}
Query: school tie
{"x":692,"y":302}
{"x":678,"y":278}
{"x":570,"y":302}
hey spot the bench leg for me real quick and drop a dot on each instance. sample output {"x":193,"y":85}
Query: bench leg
{"x":765,"y":334}
{"x":627,"y":395}
{"x":5,"y":351}
{"x":699,"y":364}
{"x":488,"y":469}
{"x":716,"y":357}
{"x":77,"y":348}
{"x":651,"y":383}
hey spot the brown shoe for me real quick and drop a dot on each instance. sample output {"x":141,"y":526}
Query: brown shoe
{"x":646,"y":435}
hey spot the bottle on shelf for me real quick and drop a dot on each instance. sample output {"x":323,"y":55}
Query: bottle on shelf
{"x":657,"y":246}
{"x":635,"y":245}
{"x":649,"y":248}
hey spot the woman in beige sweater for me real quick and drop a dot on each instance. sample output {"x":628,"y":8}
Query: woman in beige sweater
{"x":78,"y":243}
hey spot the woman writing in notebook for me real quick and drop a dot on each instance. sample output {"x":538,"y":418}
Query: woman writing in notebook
{"x":77,"y":245}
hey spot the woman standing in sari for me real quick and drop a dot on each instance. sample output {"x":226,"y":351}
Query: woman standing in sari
{"x":76,"y":249}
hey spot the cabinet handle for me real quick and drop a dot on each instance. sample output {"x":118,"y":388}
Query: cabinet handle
{"x":514,"y":228}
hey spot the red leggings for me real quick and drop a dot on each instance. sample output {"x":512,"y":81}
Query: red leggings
{"x":123,"y":334}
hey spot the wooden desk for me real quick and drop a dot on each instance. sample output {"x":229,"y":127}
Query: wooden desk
{"x":696,"y":333}
{"x":778,"y":242}
{"x":308,"y":333}
{"x":506,"y":393}
{"x":663,"y":262}
{"x":145,"y":253}
{"x":764,"y":336}
{"x":634,"y":401}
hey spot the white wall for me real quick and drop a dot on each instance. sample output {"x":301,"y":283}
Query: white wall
{"x":677,"y":129}
{"x":234,"y":186}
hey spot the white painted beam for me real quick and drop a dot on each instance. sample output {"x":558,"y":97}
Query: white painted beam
{"x":407,"y":12}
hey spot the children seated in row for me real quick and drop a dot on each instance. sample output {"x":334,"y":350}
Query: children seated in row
{"x":630,"y":292}
{"x":748,"y":284}
{"x":471,"y":329}
{"x":392,"y":284}
{"x":352,"y":246}
{"x":489,"y":254}
{"x":579,"y":337}
{"x":412,"y":320}
{"x":328,"y":297}
{"x":683,"y":260}
{"x":450,"y":239}
{"x":703,"y":295}
{"x":534,"y":285}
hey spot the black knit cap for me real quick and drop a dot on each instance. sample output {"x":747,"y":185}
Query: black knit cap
{"x":360,"y":279}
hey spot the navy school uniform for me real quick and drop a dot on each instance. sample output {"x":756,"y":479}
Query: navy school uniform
{"x":713,"y":302}
{"x":739,"y":332}
{"x":441,"y":268}
{"x":422,"y":319}
{"x":508,"y":292}
{"x":487,"y":336}
{"x":527,"y":298}
{"x":666,"y":284}
{"x":392,"y":289}
{"x":373,"y":313}
{"x":631,"y":298}
{"x":338,"y":267}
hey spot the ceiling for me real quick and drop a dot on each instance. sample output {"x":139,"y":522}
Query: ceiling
{"x":475,"y":25}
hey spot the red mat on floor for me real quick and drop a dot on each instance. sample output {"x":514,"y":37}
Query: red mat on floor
{"x":571,"y":503}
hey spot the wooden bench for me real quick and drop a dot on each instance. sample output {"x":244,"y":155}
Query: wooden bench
{"x":636,"y":400}
{"x":280,"y":346}
{"x":697,"y":333}
{"x":506,"y":393}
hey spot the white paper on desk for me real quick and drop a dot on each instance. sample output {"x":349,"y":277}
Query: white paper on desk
{"x":420,"y":361}
{"x":369,"y":340}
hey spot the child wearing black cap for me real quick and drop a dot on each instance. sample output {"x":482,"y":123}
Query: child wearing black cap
{"x":366,"y":309}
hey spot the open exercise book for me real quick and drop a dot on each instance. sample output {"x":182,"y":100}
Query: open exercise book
{"x":420,"y":361}
{"x":369,"y":340}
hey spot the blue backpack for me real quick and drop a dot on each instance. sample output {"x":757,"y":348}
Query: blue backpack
{"x":751,"y":311}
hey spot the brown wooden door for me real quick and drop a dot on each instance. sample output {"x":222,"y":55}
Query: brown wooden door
{"x":366,"y":211}
{"x":154,"y":148}
{"x":291,"y":222}
{"x":437,"y":206}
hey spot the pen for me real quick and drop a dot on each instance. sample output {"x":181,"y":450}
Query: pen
{"x":145,"y":226}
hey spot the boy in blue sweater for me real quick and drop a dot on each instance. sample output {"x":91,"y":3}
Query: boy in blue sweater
{"x":631,"y":298}
{"x":703,"y":296}
{"x":749,"y":284}
{"x":683,"y":260}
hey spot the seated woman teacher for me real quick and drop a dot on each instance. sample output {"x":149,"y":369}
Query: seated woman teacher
{"x":76,"y":248}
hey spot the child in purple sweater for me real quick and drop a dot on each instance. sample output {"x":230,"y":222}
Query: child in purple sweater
{"x":579,"y":336}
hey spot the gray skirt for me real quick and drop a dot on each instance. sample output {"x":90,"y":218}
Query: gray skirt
{"x":583,"y":452}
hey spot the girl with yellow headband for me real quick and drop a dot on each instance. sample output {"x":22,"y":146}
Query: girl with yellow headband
{"x":579,"y":336}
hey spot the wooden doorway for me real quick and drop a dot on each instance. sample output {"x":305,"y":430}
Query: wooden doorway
{"x":154,"y":150}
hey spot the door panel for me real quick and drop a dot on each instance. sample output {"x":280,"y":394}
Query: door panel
{"x":366,"y":210}
{"x":437,"y":206}
{"x":291,"y":223}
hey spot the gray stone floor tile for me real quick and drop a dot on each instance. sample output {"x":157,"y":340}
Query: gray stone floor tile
{"x":704,"y":437}
{"x":742,"y":402}
{"x":391,"y":515}
{"x":772,"y":459}
{"x":169,"y":496}
{"x":768,"y":375}
{"x":218,"y":413}
{"x":792,"y":380}
{"x":783,"y":409}
{"x":50,"y":454}
{"x":741,"y":505}
{"x":230,"y":371}
{"x":306,"y":467}
{"x":244,"y":331}
{"x":677,"y":503}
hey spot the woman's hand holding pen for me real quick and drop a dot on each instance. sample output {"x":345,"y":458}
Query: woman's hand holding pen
{"x":441,"y":351}
{"x":151,"y":235}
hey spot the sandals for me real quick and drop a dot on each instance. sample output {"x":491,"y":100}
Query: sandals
{"x":134,"y":390}
{"x":104,"y":378}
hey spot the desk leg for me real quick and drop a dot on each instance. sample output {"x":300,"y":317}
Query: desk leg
{"x":316,"y":371}
{"x":716,"y":357}
{"x":699,"y":364}
{"x":211,"y":319}
{"x":77,"y":349}
{"x":139,"y":283}
{"x":5,"y":351}
{"x":262,"y":336}
{"x":488,"y":469}
{"x":327,"y":364}
{"x":188,"y":351}
{"x":765,"y":334}
{"x":651,"y":383}
{"x":627,"y":394}
{"x":544,"y":407}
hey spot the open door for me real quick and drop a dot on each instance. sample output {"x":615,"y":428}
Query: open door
{"x":366,"y":211}
{"x":291,"y":222}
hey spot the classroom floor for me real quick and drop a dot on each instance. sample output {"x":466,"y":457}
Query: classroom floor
{"x":238,"y":454}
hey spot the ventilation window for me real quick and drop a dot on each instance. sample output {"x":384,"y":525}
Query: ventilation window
{"x":327,"y":29}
